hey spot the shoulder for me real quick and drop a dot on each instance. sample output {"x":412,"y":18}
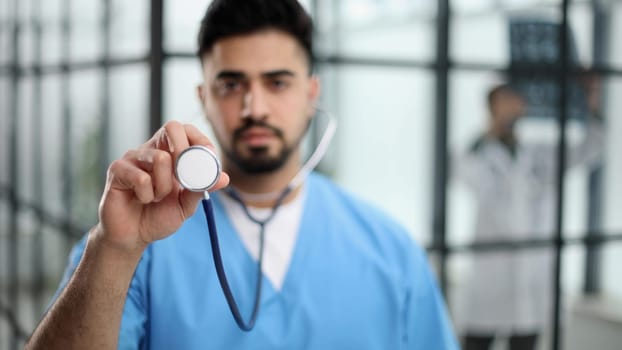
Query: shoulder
{"x":338,"y":198}
{"x":365,"y":221}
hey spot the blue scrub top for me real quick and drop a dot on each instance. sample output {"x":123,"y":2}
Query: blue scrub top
{"x":356,"y":281}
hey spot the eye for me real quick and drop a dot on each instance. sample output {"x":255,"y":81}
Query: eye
{"x":278,"y":84}
{"x":227,"y":87}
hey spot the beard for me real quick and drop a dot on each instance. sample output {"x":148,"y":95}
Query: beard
{"x":258,"y":160}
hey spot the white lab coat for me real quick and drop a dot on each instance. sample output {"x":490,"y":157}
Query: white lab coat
{"x":510,"y":291}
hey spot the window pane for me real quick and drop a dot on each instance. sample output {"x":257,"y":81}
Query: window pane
{"x":400,"y":118}
{"x":481,"y":38}
{"x":55,"y":255}
{"x":25,"y":149}
{"x":26,"y":44}
{"x":181,"y":23}
{"x":129,"y":28}
{"x":5,"y":124}
{"x":5,"y":41}
{"x":495,"y":195}
{"x":504,"y":195}
{"x":26,"y":33}
{"x":611,"y":260}
{"x":594,"y":321}
{"x":614,"y":9}
{"x":612,"y":169}
{"x":516,"y":300}
{"x":52,"y":40}
{"x":468,"y":120}
{"x":378,"y":29}
{"x":573,"y":273}
{"x":52,"y":152}
{"x":182,"y":78}
{"x":86,"y":30}
{"x":182,"y":19}
{"x":5,"y":10}
{"x":581,"y":19}
{"x":129,"y":121}
{"x":86,"y":177}
{"x":480,"y":32}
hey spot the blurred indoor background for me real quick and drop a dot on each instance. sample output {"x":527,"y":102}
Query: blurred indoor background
{"x":82,"y":81}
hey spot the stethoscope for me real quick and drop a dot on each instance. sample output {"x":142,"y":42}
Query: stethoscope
{"x":198,"y":169}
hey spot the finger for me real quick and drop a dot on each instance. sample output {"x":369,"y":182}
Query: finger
{"x":196,"y":137}
{"x":171,"y":137}
{"x":124,"y":175}
{"x":188,"y":201}
{"x":176,"y":137}
{"x":222,"y":182}
{"x":160,"y":165}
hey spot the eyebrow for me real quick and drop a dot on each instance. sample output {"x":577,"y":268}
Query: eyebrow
{"x":231,"y":74}
{"x":278,"y":73}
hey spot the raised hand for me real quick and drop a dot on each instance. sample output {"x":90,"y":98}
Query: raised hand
{"x":142,"y":200}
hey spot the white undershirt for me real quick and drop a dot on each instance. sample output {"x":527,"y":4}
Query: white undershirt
{"x":280,"y":234}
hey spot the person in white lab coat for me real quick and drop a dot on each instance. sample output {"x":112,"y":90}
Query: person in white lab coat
{"x":514,"y":185}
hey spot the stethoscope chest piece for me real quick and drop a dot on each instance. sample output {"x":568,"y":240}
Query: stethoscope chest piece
{"x":197,"y":168}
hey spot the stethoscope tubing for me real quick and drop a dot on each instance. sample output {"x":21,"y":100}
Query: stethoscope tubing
{"x":208,"y":208}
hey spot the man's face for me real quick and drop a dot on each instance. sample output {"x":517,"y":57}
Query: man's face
{"x":506,"y":109}
{"x":259,"y":98}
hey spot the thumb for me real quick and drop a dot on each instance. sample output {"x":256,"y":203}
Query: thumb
{"x":189,"y":201}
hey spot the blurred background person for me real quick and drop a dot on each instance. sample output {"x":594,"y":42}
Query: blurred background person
{"x":514,"y":182}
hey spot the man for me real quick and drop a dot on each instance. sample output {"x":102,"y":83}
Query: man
{"x":514,"y":185}
{"x":339,"y":274}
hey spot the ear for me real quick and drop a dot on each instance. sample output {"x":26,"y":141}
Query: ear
{"x":201,"y":94}
{"x":314,"y":93}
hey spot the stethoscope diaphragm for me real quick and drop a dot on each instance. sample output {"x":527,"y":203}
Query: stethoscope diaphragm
{"x":197,"y":168}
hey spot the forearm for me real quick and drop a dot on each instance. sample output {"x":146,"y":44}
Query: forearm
{"x":87,"y":314}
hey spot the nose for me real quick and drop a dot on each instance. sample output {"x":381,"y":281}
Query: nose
{"x":254,"y":105}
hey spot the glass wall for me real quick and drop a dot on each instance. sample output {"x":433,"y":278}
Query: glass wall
{"x":408,"y":81}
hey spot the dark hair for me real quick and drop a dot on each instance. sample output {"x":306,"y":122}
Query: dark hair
{"x":226,"y":18}
{"x":498,"y":89}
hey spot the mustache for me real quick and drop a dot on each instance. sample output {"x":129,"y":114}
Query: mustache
{"x":251,"y":123}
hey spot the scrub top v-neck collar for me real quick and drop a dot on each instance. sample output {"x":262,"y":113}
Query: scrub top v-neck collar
{"x":281,"y":234}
